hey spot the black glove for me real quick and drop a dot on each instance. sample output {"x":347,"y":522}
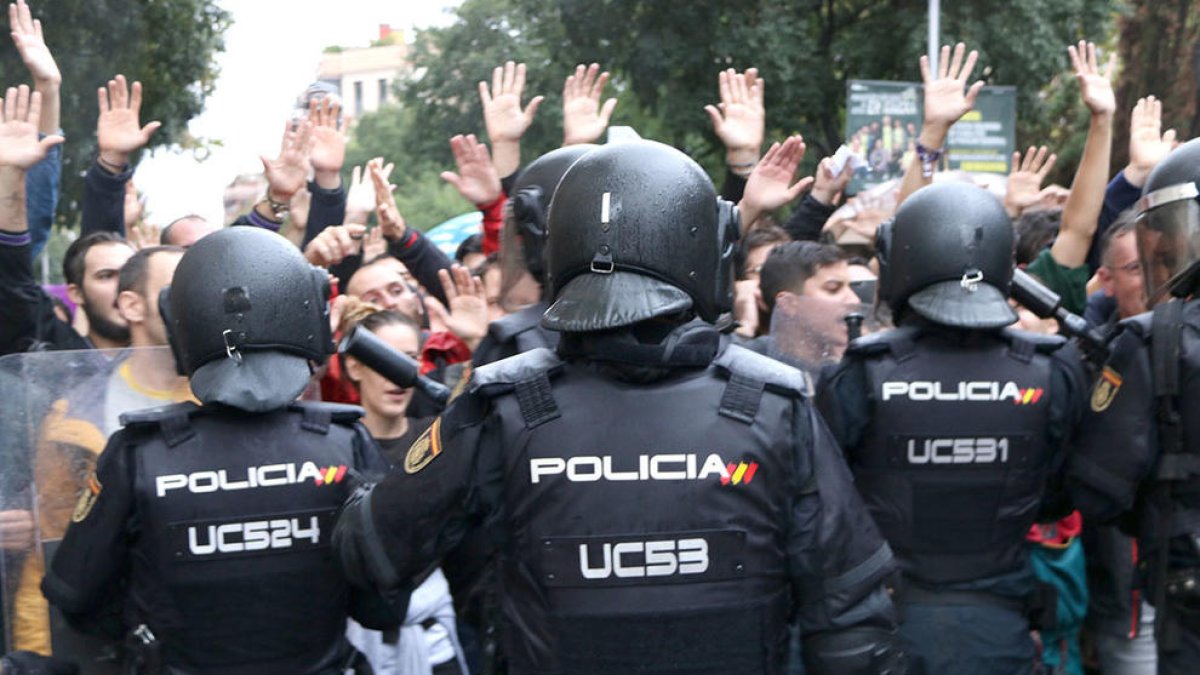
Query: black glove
{"x":359,"y":550}
{"x":859,"y":650}
{"x":29,"y":663}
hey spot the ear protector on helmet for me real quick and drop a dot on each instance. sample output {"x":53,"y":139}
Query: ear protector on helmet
{"x":531,"y":224}
{"x":729,"y":232}
{"x":883,"y":251}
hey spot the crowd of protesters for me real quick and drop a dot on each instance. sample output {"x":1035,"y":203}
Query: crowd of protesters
{"x":798,"y":278}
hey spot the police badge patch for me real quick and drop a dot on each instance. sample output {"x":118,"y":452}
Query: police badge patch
{"x":424,"y":449}
{"x":1107,"y":386}
{"x":87,"y":499}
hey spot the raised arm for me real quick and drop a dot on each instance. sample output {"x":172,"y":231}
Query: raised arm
{"x":584,"y":119}
{"x":20,"y":149}
{"x":739,"y":120}
{"x":946,"y":100}
{"x":1087,"y":191}
{"x":27,"y":36}
{"x":769,"y":186}
{"x":503,"y":116}
{"x":119,"y":134}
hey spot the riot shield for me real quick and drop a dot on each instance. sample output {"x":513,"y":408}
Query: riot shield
{"x":57,"y":412}
{"x":811,"y":333}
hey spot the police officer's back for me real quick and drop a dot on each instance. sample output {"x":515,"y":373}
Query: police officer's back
{"x":952,"y":425}
{"x":215,"y":520}
{"x":1137,"y":455}
{"x":662,"y":502}
{"x":523,"y":243}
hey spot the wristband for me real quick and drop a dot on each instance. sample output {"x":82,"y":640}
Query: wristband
{"x":929,"y":159}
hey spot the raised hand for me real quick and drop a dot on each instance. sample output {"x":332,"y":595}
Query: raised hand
{"x":769,"y":185}
{"x":143,"y":235}
{"x":584,"y":120}
{"x":360,"y":197}
{"x":476,"y":179}
{"x":945,"y":100}
{"x":1148,"y":144}
{"x":328,"y":151}
{"x":1026,"y":178}
{"x":502,"y":113}
{"x":739,"y":119}
{"x":134,"y":209}
{"x":1095,"y":85}
{"x":828,"y":185}
{"x":334,"y":244}
{"x":118,"y":130}
{"x":467,"y":311}
{"x":288,"y":172}
{"x":391,"y":224}
{"x":27,"y":36}
{"x":20,"y":112}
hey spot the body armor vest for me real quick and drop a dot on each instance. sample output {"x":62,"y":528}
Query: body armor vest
{"x":1179,"y":468}
{"x":954,"y":465}
{"x":232,"y":569}
{"x":514,"y":334}
{"x":641,"y":518}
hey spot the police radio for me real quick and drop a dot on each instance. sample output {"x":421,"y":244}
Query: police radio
{"x":1045,"y":303}
{"x":400,"y":368}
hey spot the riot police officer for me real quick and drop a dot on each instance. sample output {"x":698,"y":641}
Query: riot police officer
{"x":1137,"y":455}
{"x":662,"y":501}
{"x":218,"y":518}
{"x":952,"y":425}
{"x":524,"y":243}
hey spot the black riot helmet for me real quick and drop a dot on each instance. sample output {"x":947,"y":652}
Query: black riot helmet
{"x":948,"y":256}
{"x":636,"y":231}
{"x":1168,"y":225}
{"x":525,"y":222}
{"x":245,"y":314}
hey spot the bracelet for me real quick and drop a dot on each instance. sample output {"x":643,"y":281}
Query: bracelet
{"x":743,"y":169}
{"x":280,"y":209}
{"x":929,"y":159}
{"x":109,"y":166}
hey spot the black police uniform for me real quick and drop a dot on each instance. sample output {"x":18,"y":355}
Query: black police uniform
{"x":954,"y":427}
{"x":221,"y":522}
{"x":1137,"y":458}
{"x":626,"y":546}
{"x":514,"y":334}
{"x":661,"y":501}
{"x":212,"y":524}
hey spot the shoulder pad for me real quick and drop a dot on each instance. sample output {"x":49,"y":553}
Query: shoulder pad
{"x":508,"y":326}
{"x":737,"y":360}
{"x":1044,"y":344}
{"x":153,"y":416}
{"x":883,"y":341}
{"x":342,"y":413}
{"x":1139,"y":325}
{"x":517,"y":368}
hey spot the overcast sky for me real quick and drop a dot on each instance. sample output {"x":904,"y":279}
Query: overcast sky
{"x":271,"y":54}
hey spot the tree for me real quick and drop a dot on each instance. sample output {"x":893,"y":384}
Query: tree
{"x":169,"y":45}
{"x":1160,"y":55}
{"x":665,"y":58}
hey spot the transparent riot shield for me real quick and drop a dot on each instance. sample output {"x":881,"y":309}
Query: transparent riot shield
{"x":811,"y":333}
{"x":57,"y":411}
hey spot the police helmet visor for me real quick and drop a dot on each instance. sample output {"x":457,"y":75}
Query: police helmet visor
{"x":599,"y":301}
{"x":964,"y":303}
{"x":1168,"y":239}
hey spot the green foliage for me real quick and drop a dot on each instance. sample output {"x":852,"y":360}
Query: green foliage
{"x":665,"y":58}
{"x":168,"y":45}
